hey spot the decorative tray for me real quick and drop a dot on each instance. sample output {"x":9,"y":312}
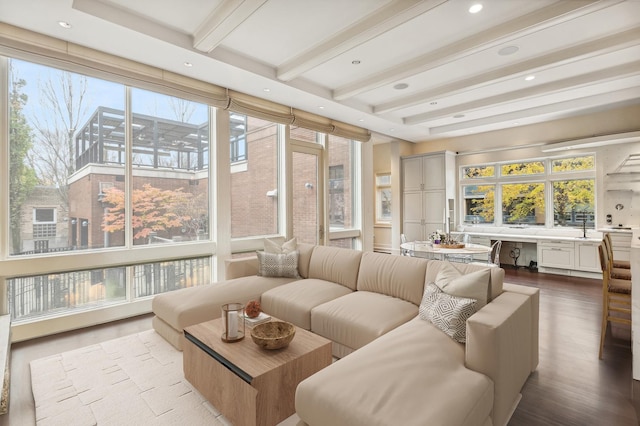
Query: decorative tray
{"x":452,"y":246}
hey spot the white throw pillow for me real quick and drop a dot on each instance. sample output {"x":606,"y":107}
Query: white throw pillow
{"x":278,"y":265}
{"x":448,"y":313}
{"x":273,"y":246}
{"x":474,"y":285}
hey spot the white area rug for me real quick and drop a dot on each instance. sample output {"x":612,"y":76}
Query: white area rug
{"x":132,"y":380}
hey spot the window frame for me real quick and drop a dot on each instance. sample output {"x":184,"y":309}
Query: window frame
{"x":380,"y":220}
{"x":548,"y":178}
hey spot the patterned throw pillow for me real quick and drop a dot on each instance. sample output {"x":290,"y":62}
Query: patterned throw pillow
{"x":448,"y":313}
{"x":278,"y":265}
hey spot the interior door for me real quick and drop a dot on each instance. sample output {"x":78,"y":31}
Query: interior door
{"x":307,"y":192}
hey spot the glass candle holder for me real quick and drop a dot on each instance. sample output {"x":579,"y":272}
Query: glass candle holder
{"x":233,"y":322}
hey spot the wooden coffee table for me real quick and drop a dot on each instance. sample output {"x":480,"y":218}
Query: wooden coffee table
{"x":248,"y":384}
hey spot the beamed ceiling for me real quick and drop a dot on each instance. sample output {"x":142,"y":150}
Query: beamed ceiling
{"x":408,"y":69}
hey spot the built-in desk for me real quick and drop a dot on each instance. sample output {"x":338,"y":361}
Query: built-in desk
{"x":555,"y":254}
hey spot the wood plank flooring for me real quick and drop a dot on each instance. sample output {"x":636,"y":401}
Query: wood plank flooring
{"x":570,"y":387}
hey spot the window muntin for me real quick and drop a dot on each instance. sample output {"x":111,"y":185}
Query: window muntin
{"x":549,"y":192}
{"x":238,"y":137}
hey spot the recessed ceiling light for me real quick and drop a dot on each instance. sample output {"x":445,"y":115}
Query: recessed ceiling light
{"x":508,"y":50}
{"x":361,"y":120}
{"x":266,"y":89}
{"x":321,"y":107}
{"x":401,"y":86}
{"x":475,"y":8}
{"x":392,"y":130}
{"x":64,"y":24}
{"x":458,"y":116}
{"x":188,"y":64}
{"x":530,"y":77}
{"x":356,"y":62}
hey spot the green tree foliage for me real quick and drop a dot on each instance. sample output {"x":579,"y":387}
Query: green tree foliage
{"x":22,"y":178}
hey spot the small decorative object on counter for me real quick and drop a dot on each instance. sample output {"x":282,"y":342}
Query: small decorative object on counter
{"x":253,"y":309}
{"x":233,"y":323}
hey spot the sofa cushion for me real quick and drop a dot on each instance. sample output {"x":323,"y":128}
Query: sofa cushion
{"x":193,"y":305}
{"x":293,"y":302}
{"x":360,"y":317}
{"x":413,"y":375}
{"x":338,"y":265}
{"x":278,"y":264}
{"x":279,"y":247}
{"x":397,"y":276}
{"x":448,"y":313}
{"x":473,"y":285}
{"x":495,"y":282}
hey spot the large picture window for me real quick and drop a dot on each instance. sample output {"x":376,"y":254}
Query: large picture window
{"x":549,"y":192}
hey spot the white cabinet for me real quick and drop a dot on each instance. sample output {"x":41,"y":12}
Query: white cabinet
{"x":427,"y":182}
{"x":556,"y":254}
{"x":587,"y":257}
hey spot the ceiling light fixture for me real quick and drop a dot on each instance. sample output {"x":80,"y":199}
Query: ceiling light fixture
{"x":356,"y":62}
{"x":188,"y":64}
{"x":433,"y":103}
{"x":266,"y":89}
{"x":475,"y":8}
{"x":530,"y":77}
{"x":321,"y":107}
{"x":401,"y":86}
{"x":361,"y":120}
{"x":508,"y":50}
{"x":64,"y":24}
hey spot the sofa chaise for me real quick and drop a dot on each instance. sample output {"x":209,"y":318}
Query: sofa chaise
{"x":397,"y":363}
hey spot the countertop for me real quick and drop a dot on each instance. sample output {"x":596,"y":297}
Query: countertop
{"x":530,"y":237}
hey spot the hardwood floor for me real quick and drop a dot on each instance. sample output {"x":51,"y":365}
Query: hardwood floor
{"x":570,"y":387}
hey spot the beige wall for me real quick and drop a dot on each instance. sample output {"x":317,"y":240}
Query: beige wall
{"x":525,"y":142}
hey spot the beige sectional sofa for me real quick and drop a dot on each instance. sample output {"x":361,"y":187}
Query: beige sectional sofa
{"x":394,"y":367}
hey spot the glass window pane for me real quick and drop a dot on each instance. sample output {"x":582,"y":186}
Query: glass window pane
{"x":572,"y":164}
{"x":170,"y":180}
{"x":478,"y":172}
{"x":160,"y":277}
{"x":59,"y":294}
{"x":341,"y":182}
{"x":479,"y":203}
{"x":302,"y":134}
{"x":523,"y":204}
{"x":65,"y":124}
{"x":522,"y":169}
{"x":343,"y":242}
{"x":383,"y":205}
{"x":574,"y":202}
{"x":254,"y":180}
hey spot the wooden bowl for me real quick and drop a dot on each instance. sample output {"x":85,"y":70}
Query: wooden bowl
{"x":273,"y":334}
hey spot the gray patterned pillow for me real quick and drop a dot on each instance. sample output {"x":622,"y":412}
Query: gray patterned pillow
{"x":448,"y":313}
{"x":278,"y":265}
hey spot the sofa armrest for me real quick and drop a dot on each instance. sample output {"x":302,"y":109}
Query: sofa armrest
{"x":240,"y":267}
{"x":499,"y":346}
{"x":534,"y":294}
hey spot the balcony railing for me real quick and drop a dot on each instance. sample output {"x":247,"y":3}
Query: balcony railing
{"x":57,"y":294}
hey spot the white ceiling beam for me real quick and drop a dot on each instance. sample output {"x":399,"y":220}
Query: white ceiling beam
{"x":608,"y":74}
{"x":382,"y":20}
{"x":590,"y":49}
{"x":532,"y":115}
{"x":222,"y":21}
{"x":546,"y":17}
